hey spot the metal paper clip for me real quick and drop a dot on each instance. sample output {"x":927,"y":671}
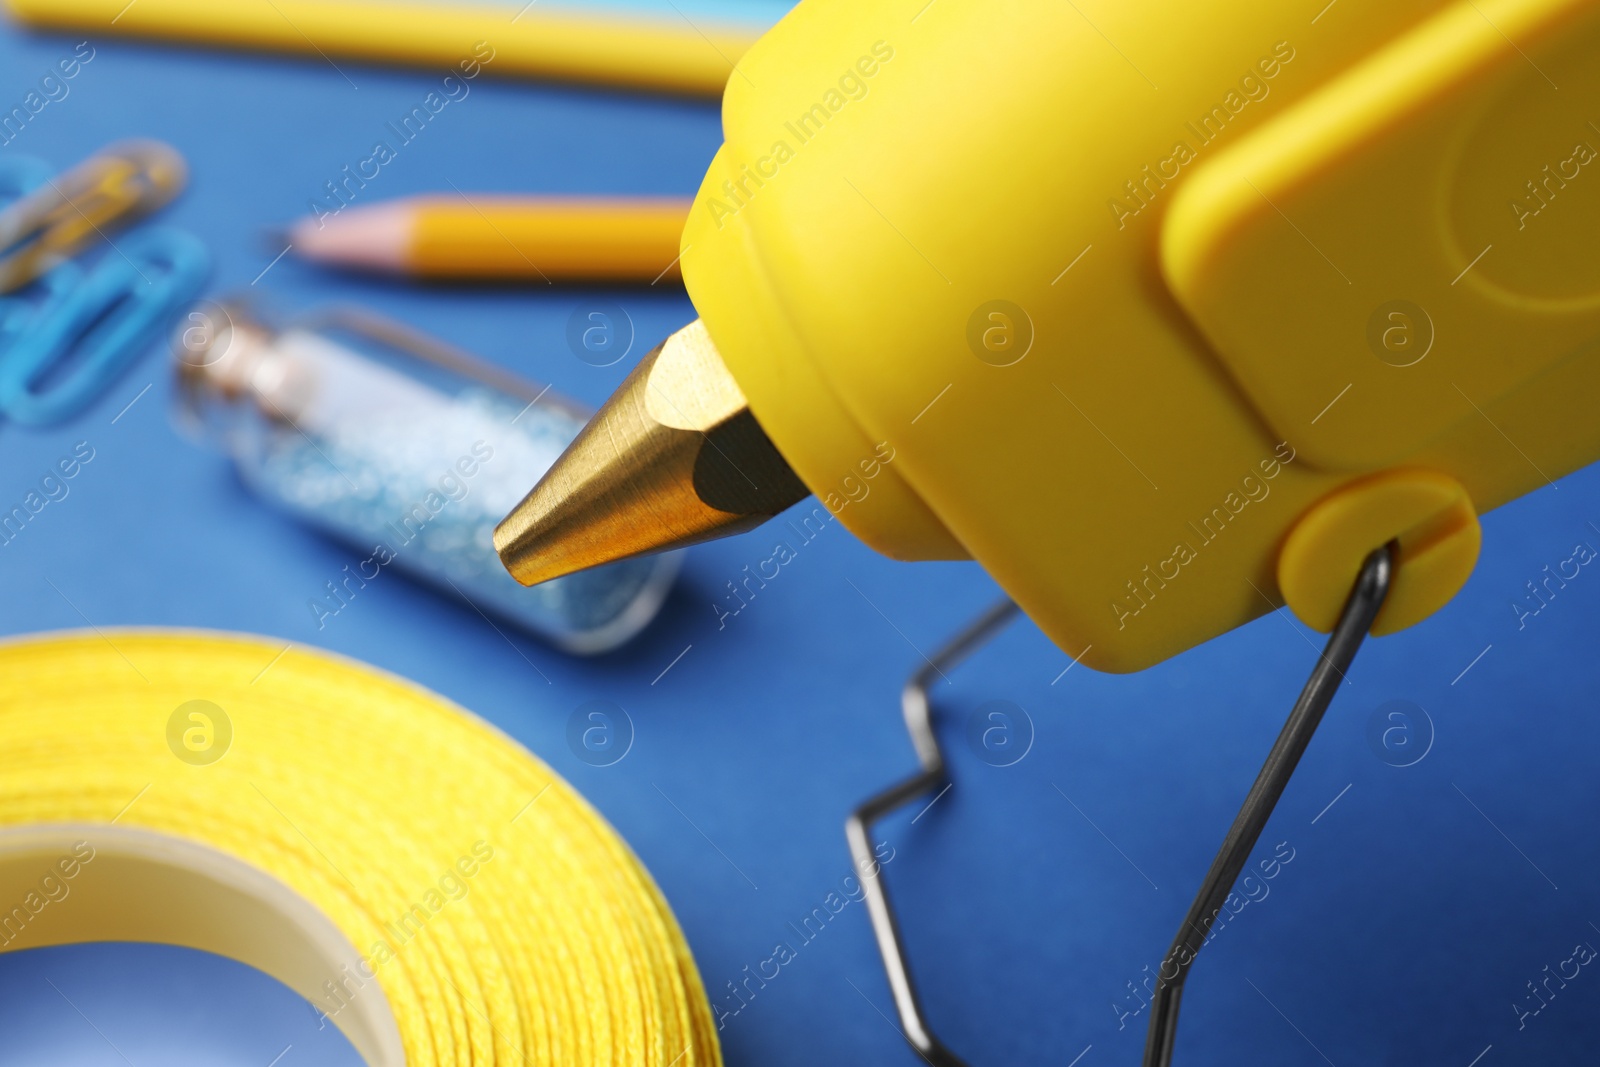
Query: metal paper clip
{"x":58,"y":355}
{"x":1360,"y":609}
{"x":58,"y":216}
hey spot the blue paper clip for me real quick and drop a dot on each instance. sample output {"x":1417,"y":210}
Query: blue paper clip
{"x":19,"y":311}
{"x":93,"y":323}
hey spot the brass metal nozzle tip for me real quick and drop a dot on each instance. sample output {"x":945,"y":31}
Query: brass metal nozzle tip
{"x":672,"y":459}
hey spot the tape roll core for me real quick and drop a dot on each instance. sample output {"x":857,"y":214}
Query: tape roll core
{"x":144,"y":886}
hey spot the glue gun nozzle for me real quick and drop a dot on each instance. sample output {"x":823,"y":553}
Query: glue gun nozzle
{"x":673,"y":458}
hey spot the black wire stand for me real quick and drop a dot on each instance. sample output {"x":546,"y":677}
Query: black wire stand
{"x":1355,"y":621}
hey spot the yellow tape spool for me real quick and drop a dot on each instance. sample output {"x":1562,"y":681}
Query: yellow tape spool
{"x":441,"y":894}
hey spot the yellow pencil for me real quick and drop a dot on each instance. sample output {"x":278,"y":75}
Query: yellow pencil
{"x":482,"y":237}
{"x":617,"y":50}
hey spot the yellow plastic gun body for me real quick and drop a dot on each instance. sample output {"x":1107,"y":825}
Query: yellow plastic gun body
{"x":1167,"y":314}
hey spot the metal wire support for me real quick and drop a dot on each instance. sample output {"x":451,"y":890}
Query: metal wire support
{"x":919,"y":723}
{"x":1366,"y":597}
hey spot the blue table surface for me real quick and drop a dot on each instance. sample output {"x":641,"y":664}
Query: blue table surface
{"x":1418,"y":903}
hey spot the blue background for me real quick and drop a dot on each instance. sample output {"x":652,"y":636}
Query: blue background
{"x":1402,"y":931}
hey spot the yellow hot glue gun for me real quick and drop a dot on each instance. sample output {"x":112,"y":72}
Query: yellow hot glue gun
{"x":1167,"y":314}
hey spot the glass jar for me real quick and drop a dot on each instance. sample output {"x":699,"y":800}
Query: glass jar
{"x":408,"y":450}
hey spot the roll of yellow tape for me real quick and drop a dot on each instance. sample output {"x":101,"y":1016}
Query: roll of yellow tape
{"x":440,"y":894}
